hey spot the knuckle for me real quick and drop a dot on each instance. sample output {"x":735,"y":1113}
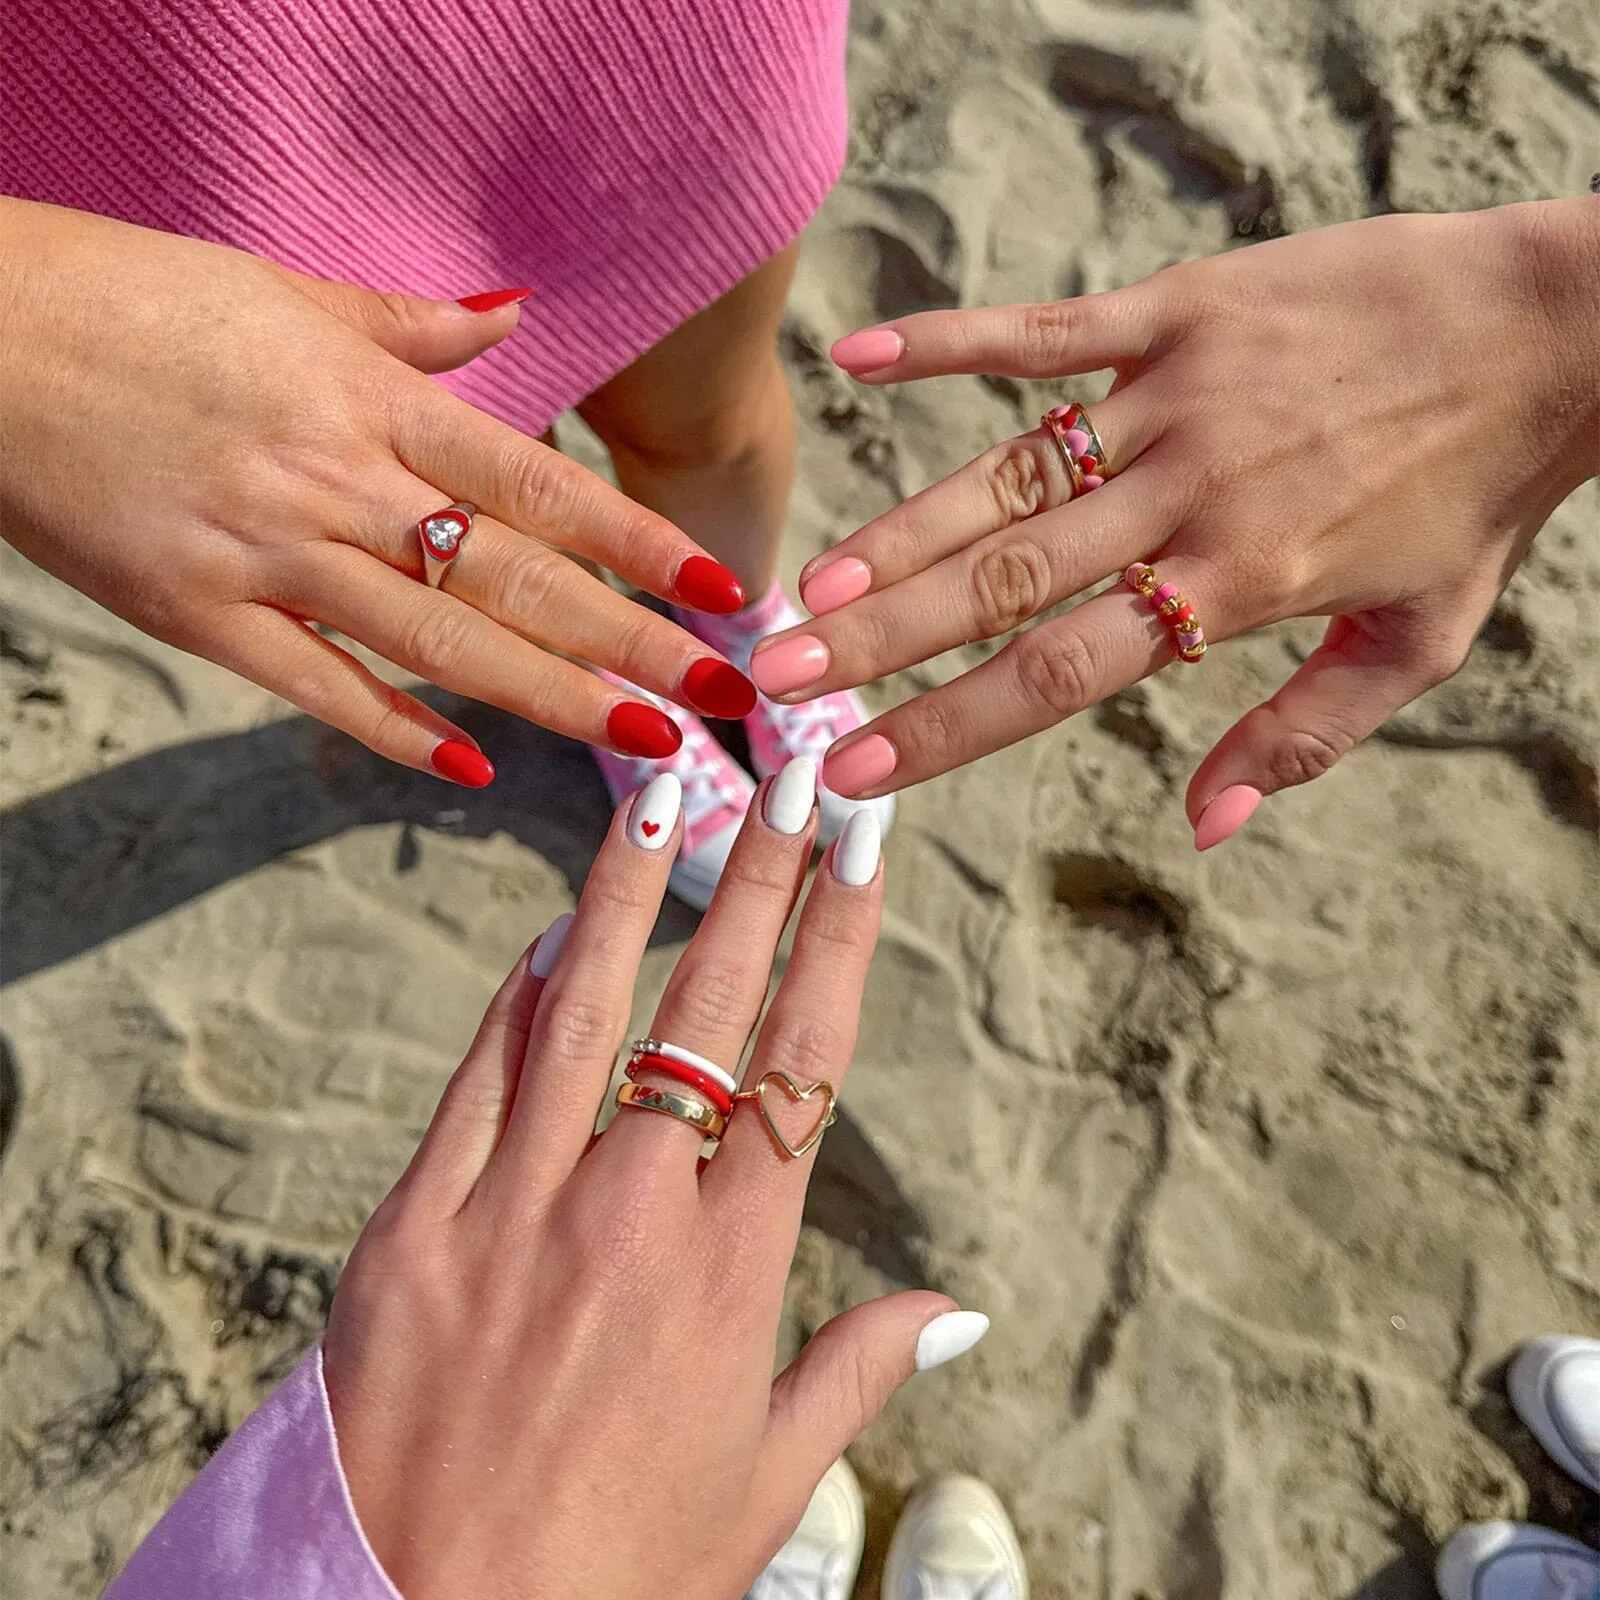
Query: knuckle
{"x":1011,"y":582}
{"x":706,"y":1001}
{"x":528,"y":584}
{"x":578,"y":1031}
{"x":1017,"y":480}
{"x":1304,"y":756}
{"x":542,"y":491}
{"x":808,"y":1050}
{"x":1044,"y":327}
{"x":1056,"y":671}
{"x":436,"y":638}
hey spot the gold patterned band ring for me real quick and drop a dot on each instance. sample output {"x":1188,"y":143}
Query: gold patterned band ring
{"x":699,"y":1114}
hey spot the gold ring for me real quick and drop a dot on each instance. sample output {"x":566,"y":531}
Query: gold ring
{"x":699,"y":1114}
{"x":792,"y":1089}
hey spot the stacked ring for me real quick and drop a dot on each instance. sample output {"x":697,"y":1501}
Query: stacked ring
{"x":699,"y":1114}
{"x":690,"y":1077}
{"x":1187,"y":634}
{"x":1080,"y":446}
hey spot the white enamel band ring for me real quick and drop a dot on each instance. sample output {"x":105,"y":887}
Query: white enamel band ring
{"x":685,"y":1058}
{"x":442,"y":535}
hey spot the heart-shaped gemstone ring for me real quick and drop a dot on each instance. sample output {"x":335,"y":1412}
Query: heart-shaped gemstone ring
{"x":781,"y":1081}
{"x":442,"y":536}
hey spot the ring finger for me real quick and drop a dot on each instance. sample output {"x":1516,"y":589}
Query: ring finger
{"x":716,"y":992}
{"x":1010,"y":482}
{"x":1042,"y":677}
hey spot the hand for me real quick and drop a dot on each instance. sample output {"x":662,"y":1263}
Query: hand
{"x":222,"y":452}
{"x":1369,"y":422}
{"x":550,"y":1357}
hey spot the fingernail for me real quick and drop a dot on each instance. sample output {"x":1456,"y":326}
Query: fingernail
{"x":494,"y":299}
{"x":543,"y":960}
{"x":860,"y":765}
{"x":640,"y":730}
{"x":655,"y":811}
{"x":706,"y":585}
{"x":462,"y":763}
{"x":789,"y":665}
{"x":856,"y":852}
{"x":1226,"y":815}
{"x":868,"y":350}
{"x":787,"y":808}
{"x":719,"y":690}
{"x":835,"y":585}
{"x":949,"y":1336}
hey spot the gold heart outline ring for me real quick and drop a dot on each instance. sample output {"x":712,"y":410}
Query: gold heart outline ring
{"x":799,"y":1095}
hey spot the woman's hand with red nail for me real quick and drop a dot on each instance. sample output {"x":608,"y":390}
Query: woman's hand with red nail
{"x":223,"y":453}
{"x":1369,"y":422}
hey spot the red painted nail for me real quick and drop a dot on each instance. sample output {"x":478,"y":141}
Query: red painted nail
{"x":494,"y":299}
{"x":458,"y":761}
{"x":639,"y":730}
{"x":706,"y":585}
{"x":719,"y":690}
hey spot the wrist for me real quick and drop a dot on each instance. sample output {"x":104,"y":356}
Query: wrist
{"x":1553,"y":248}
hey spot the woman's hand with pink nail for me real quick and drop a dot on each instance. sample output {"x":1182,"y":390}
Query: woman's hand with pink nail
{"x":550,"y":1358}
{"x":1369,"y":422}
{"x":223,"y":453}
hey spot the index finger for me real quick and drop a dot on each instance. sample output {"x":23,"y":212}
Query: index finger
{"x":1048,"y":339}
{"x":468,"y":455}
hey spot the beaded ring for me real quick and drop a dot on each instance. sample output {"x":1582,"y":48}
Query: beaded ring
{"x":1187,"y":634}
{"x":1080,"y":446}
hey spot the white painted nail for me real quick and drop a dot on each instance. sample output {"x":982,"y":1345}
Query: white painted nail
{"x":855,"y":856}
{"x":949,"y":1336}
{"x":655,"y":811}
{"x":543,"y":960}
{"x":789,"y":799}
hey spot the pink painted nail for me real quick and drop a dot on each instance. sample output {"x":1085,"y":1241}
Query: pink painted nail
{"x":835,"y":585}
{"x":1226,"y":815}
{"x":869,"y":350}
{"x":791,"y":664}
{"x":859,"y":766}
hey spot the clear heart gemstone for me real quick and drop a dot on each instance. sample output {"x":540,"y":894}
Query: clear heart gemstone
{"x":442,"y":535}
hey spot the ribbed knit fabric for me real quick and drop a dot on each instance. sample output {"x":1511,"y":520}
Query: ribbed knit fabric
{"x":630,"y":159}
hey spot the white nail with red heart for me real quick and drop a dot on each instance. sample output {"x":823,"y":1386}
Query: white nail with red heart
{"x":655,"y":812}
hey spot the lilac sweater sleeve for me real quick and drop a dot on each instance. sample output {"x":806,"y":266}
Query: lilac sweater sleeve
{"x":269,"y":1518}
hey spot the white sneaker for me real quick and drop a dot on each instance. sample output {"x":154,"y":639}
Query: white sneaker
{"x":717,"y":793}
{"x":1516,"y":1561}
{"x":954,"y":1541}
{"x":779,"y":733}
{"x":823,"y":1556}
{"x":1555,"y":1386}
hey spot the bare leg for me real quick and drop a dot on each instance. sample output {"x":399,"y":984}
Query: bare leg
{"x":701,"y":429}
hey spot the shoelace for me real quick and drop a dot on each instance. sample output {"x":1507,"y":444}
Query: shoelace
{"x":809,"y":729}
{"x":700,"y":766}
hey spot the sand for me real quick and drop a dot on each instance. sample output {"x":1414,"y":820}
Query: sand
{"x":1262,"y":1162}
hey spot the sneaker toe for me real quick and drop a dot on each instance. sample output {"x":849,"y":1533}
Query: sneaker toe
{"x":1509,"y":1561}
{"x":695,"y":875}
{"x":1554,"y":1384}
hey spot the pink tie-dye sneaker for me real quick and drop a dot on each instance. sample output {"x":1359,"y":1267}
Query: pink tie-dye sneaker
{"x":779,"y":733}
{"x":717,"y":793}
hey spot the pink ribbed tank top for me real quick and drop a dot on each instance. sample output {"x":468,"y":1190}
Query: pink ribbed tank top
{"x":630,"y":159}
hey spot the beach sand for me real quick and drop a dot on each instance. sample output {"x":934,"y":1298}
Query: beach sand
{"x":1262,"y":1162}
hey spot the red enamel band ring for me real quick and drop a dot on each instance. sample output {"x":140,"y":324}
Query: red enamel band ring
{"x":442,"y":535}
{"x":1082,"y":453}
{"x":690,"y":1077}
{"x":1188,"y":637}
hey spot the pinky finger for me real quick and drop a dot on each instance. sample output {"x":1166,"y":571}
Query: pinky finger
{"x":1367,"y":667}
{"x":292,"y":660}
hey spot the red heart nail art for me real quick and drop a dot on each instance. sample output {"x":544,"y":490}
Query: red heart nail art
{"x":649,"y":829}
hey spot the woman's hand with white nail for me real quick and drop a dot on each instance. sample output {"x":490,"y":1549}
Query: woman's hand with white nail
{"x":224,"y":453}
{"x":550,"y":1360}
{"x":1369,"y":422}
